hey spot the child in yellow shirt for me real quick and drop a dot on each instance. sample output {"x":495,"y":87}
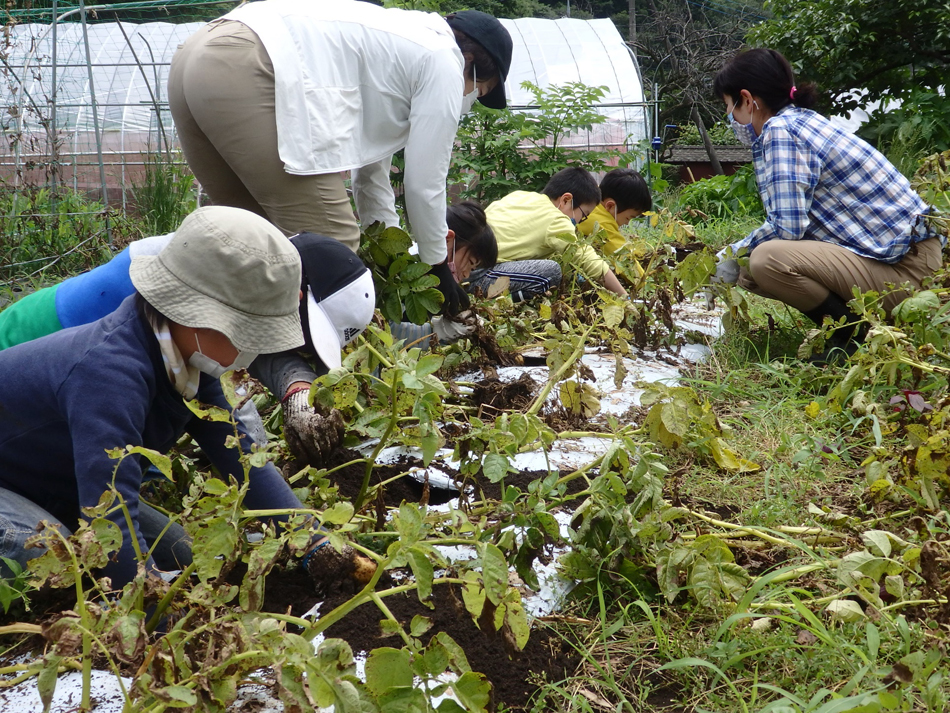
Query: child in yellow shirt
{"x":532,"y":227}
{"x":624,"y":195}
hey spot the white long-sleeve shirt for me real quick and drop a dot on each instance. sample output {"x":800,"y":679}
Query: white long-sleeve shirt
{"x":354,"y":84}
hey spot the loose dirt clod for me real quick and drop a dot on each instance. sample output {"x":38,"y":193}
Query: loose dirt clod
{"x":500,"y":395}
{"x":328,"y":567}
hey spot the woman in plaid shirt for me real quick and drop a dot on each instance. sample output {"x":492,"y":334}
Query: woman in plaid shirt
{"x":838,"y":214}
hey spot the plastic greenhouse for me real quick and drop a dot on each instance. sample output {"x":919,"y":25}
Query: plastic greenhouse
{"x":53,"y":129}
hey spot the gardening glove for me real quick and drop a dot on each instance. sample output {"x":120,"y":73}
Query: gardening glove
{"x":326,"y":566}
{"x":311,"y":434}
{"x":727,"y":272}
{"x":451,"y":330}
{"x":456,"y":298}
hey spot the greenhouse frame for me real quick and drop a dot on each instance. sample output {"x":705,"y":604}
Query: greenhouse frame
{"x":85,"y":101}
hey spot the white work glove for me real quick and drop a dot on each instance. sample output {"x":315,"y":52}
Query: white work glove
{"x":727,"y":272}
{"x":250,"y":418}
{"x":449,"y":330}
{"x":311,"y":434}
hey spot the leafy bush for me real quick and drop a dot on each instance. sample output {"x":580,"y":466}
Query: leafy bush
{"x":499,"y":152}
{"x":719,"y":133}
{"x":722,"y":196}
{"x":922,"y":114}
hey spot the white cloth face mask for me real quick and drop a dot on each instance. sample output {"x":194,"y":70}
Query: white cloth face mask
{"x":745,"y":133}
{"x":209,"y":366}
{"x":468,"y":100}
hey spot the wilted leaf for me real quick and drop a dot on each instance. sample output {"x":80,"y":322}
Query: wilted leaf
{"x":845,"y":610}
{"x":727,"y":458}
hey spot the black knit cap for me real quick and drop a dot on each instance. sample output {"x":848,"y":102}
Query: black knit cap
{"x":492,"y":35}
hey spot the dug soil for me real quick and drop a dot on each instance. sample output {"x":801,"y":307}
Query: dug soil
{"x":408,"y":489}
{"x":515,"y":675}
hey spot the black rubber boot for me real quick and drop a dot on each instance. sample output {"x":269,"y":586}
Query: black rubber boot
{"x":843,"y":341}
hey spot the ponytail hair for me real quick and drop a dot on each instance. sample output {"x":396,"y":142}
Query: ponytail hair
{"x":766,"y":74}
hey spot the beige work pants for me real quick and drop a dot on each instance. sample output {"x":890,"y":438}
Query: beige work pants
{"x":801,"y":273}
{"x":221,"y":94}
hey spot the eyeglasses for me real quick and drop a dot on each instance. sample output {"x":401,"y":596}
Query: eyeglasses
{"x":584,"y":214}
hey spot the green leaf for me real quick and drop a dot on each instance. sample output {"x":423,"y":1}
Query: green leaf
{"x":422,"y":570}
{"x":473,"y":691}
{"x":46,"y":681}
{"x":178,"y":696}
{"x":338,"y":514}
{"x":429,"y":364}
{"x":419,"y":625}
{"x":916,"y":307}
{"x":494,"y":573}
{"x":495,"y":467}
{"x":159,"y":460}
{"x":387,"y":668}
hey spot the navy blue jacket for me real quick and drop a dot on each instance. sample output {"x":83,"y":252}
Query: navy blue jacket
{"x":68,"y":397}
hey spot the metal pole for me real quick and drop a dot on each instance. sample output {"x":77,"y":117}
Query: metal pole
{"x":95,"y":117}
{"x":52,"y":132}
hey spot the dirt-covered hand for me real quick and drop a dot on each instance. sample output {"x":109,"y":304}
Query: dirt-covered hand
{"x":312,"y":435}
{"x":451,"y":330}
{"x":327,"y":567}
{"x":456,"y":298}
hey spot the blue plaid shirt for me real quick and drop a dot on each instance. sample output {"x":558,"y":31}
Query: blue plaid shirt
{"x":819,"y":182}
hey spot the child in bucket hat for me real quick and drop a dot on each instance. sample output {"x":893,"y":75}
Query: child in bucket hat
{"x":123,"y":380}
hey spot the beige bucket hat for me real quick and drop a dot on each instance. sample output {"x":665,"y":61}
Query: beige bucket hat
{"x":229,"y":270}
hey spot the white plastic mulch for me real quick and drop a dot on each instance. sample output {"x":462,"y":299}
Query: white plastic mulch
{"x":564,"y":454}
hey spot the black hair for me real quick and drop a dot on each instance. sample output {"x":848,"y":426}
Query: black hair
{"x":766,"y":74}
{"x":467,"y":220}
{"x":576,"y":181}
{"x":628,"y":189}
{"x":481,"y":61}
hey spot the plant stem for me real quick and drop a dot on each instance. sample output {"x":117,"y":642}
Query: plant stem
{"x":169,"y":595}
{"x":371,"y":461}
{"x":559,"y":374}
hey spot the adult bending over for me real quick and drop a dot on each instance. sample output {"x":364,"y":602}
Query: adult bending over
{"x":838,"y":214}
{"x":274,"y":100}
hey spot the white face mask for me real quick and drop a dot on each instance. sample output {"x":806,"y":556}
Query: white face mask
{"x":209,"y":366}
{"x":745,"y":133}
{"x":468,"y":100}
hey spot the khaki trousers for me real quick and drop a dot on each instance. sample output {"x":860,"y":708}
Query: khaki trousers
{"x":221,"y":94}
{"x":802,"y":273}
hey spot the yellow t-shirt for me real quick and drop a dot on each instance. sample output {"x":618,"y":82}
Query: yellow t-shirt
{"x":528,"y":226}
{"x":600,"y":217}
{"x":603,"y":218}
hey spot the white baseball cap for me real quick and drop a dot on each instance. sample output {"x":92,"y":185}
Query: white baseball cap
{"x":340,"y":297}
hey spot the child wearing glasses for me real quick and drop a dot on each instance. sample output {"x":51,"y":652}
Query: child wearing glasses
{"x":531,"y":228}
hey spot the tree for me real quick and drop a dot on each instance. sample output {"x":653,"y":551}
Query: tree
{"x":888,"y":49}
{"x":683,"y":44}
